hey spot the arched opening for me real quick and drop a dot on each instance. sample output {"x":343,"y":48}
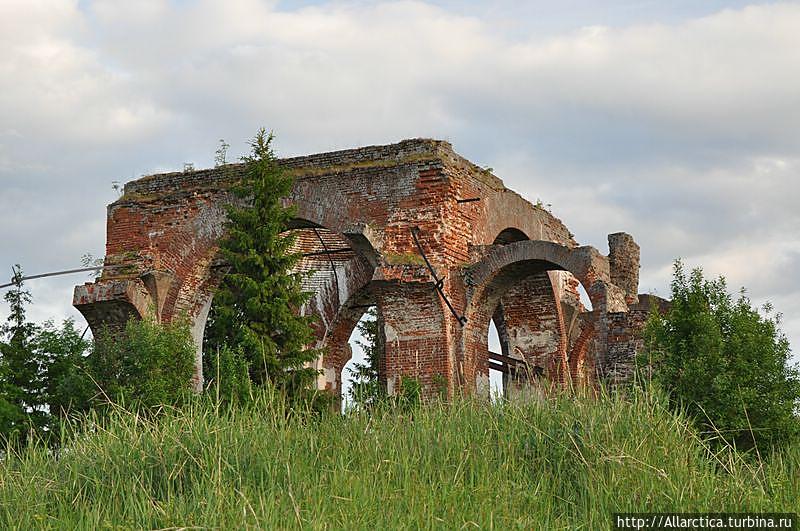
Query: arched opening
{"x":360,"y":375}
{"x":510,"y":235}
{"x":331,"y":272}
{"x":519,"y":327}
{"x":354,"y":336}
{"x":584,"y":297}
{"x":496,"y":376}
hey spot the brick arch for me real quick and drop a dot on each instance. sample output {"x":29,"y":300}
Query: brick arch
{"x":330,"y":291}
{"x":523,"y":267}
{"x":505,"y":208}
{"x":585,"y":263}
{"x":522,"y":296}
{"x":337,"y":351}
{"x":510,"y":235}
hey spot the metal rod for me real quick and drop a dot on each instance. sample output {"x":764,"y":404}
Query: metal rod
{"x":468,"y":200}
{"x":67,"y":272}
{"x":333,"y":266}
{"x":438,"y":282}
{"x":332,"y":251}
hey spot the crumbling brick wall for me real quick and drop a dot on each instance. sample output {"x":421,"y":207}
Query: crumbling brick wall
{"x":356,"y":210}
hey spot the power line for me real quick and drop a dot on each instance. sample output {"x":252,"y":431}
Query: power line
{"x":56,"y":273}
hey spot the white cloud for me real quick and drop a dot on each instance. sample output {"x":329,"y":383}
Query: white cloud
{"x":684,"y":134}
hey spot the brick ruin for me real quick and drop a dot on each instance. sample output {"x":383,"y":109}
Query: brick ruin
{"x":367,"y":221}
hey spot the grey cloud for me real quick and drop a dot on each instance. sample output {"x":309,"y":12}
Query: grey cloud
{"x":682,"y":132}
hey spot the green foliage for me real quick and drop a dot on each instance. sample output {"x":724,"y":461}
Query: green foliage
{"x":226,"y":371}
{"x":723,"y":362}
{"x":440,"y":385}
{"x":22,"y":385}
{"x":566,"y":464}
{"x":256,"y":309}
{"x":41,"y":378}
{"x":146,"y":365}
{"x":221,"y":154}
{"x":409,"y":396}
{"x":366,"y":390}
{"x":64,"y":353}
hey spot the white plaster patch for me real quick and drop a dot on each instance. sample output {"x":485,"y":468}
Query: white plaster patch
{"x":482,"y":386}
{"x":391,"y":333}
{"x":528,"y":340}
{"x":209,"y":224}
{"x":330,"y":377}
{"x":198,"y":330}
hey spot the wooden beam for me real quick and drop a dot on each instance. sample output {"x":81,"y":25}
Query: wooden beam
{"x":494,"y":356}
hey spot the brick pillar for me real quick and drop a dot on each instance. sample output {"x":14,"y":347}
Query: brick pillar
{"x":416,"y":338}
{"x":623,"y":257}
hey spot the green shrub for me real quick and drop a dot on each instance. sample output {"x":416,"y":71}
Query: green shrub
{"x":725,"y":364}
{"x":147,"y":365}
{"x":227,"y":377}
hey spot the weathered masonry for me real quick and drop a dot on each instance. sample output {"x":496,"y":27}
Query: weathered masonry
{"x":370,"y":220}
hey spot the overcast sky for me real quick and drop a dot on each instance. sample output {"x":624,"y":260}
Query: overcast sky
{"x":678,"y":122}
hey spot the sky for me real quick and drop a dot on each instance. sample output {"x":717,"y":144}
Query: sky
{"x":678,"y":122}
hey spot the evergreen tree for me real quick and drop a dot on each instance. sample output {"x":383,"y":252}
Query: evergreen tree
{"x":725,"y":363}
{"x":22,"y":384}
{"x":63,"y":353}
{"x":256,"y":312}
{"x":366,"y":390}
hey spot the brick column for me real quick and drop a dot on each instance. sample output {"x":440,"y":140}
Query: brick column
{"x":416,"y":338}
{"x":623,"y":260}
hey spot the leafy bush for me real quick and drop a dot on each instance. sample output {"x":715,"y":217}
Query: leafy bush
{"x":63,"y":350}
{"x":725,"y":363}
{"x":41,"y":379}
{"x":226,"y":372}
{"x":148,"y":364}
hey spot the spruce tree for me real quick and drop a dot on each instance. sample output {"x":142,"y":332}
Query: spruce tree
{"x":22,"y":384}
{"x":366,"y":390}
{"x":256,"y":310}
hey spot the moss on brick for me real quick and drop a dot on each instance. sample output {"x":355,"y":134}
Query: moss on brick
{"x":403,"y":259}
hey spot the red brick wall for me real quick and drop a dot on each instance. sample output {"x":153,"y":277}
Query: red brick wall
{"x":168,"y":226}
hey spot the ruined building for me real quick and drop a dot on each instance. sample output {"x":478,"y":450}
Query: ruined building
{"x":439,"y":245}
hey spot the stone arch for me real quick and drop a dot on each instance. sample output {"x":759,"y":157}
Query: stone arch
{"x":336,"y":270}
{"x":510,"y":235}
{"x":528,"y":267}
{"x":585,"y":263}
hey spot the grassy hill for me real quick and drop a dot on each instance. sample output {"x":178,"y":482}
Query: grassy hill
{"x":564,"y":464}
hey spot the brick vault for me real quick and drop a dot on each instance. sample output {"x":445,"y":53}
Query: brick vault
{"x":367,"y":221}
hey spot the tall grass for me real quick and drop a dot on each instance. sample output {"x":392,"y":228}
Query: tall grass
{"x":563,"y":464}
